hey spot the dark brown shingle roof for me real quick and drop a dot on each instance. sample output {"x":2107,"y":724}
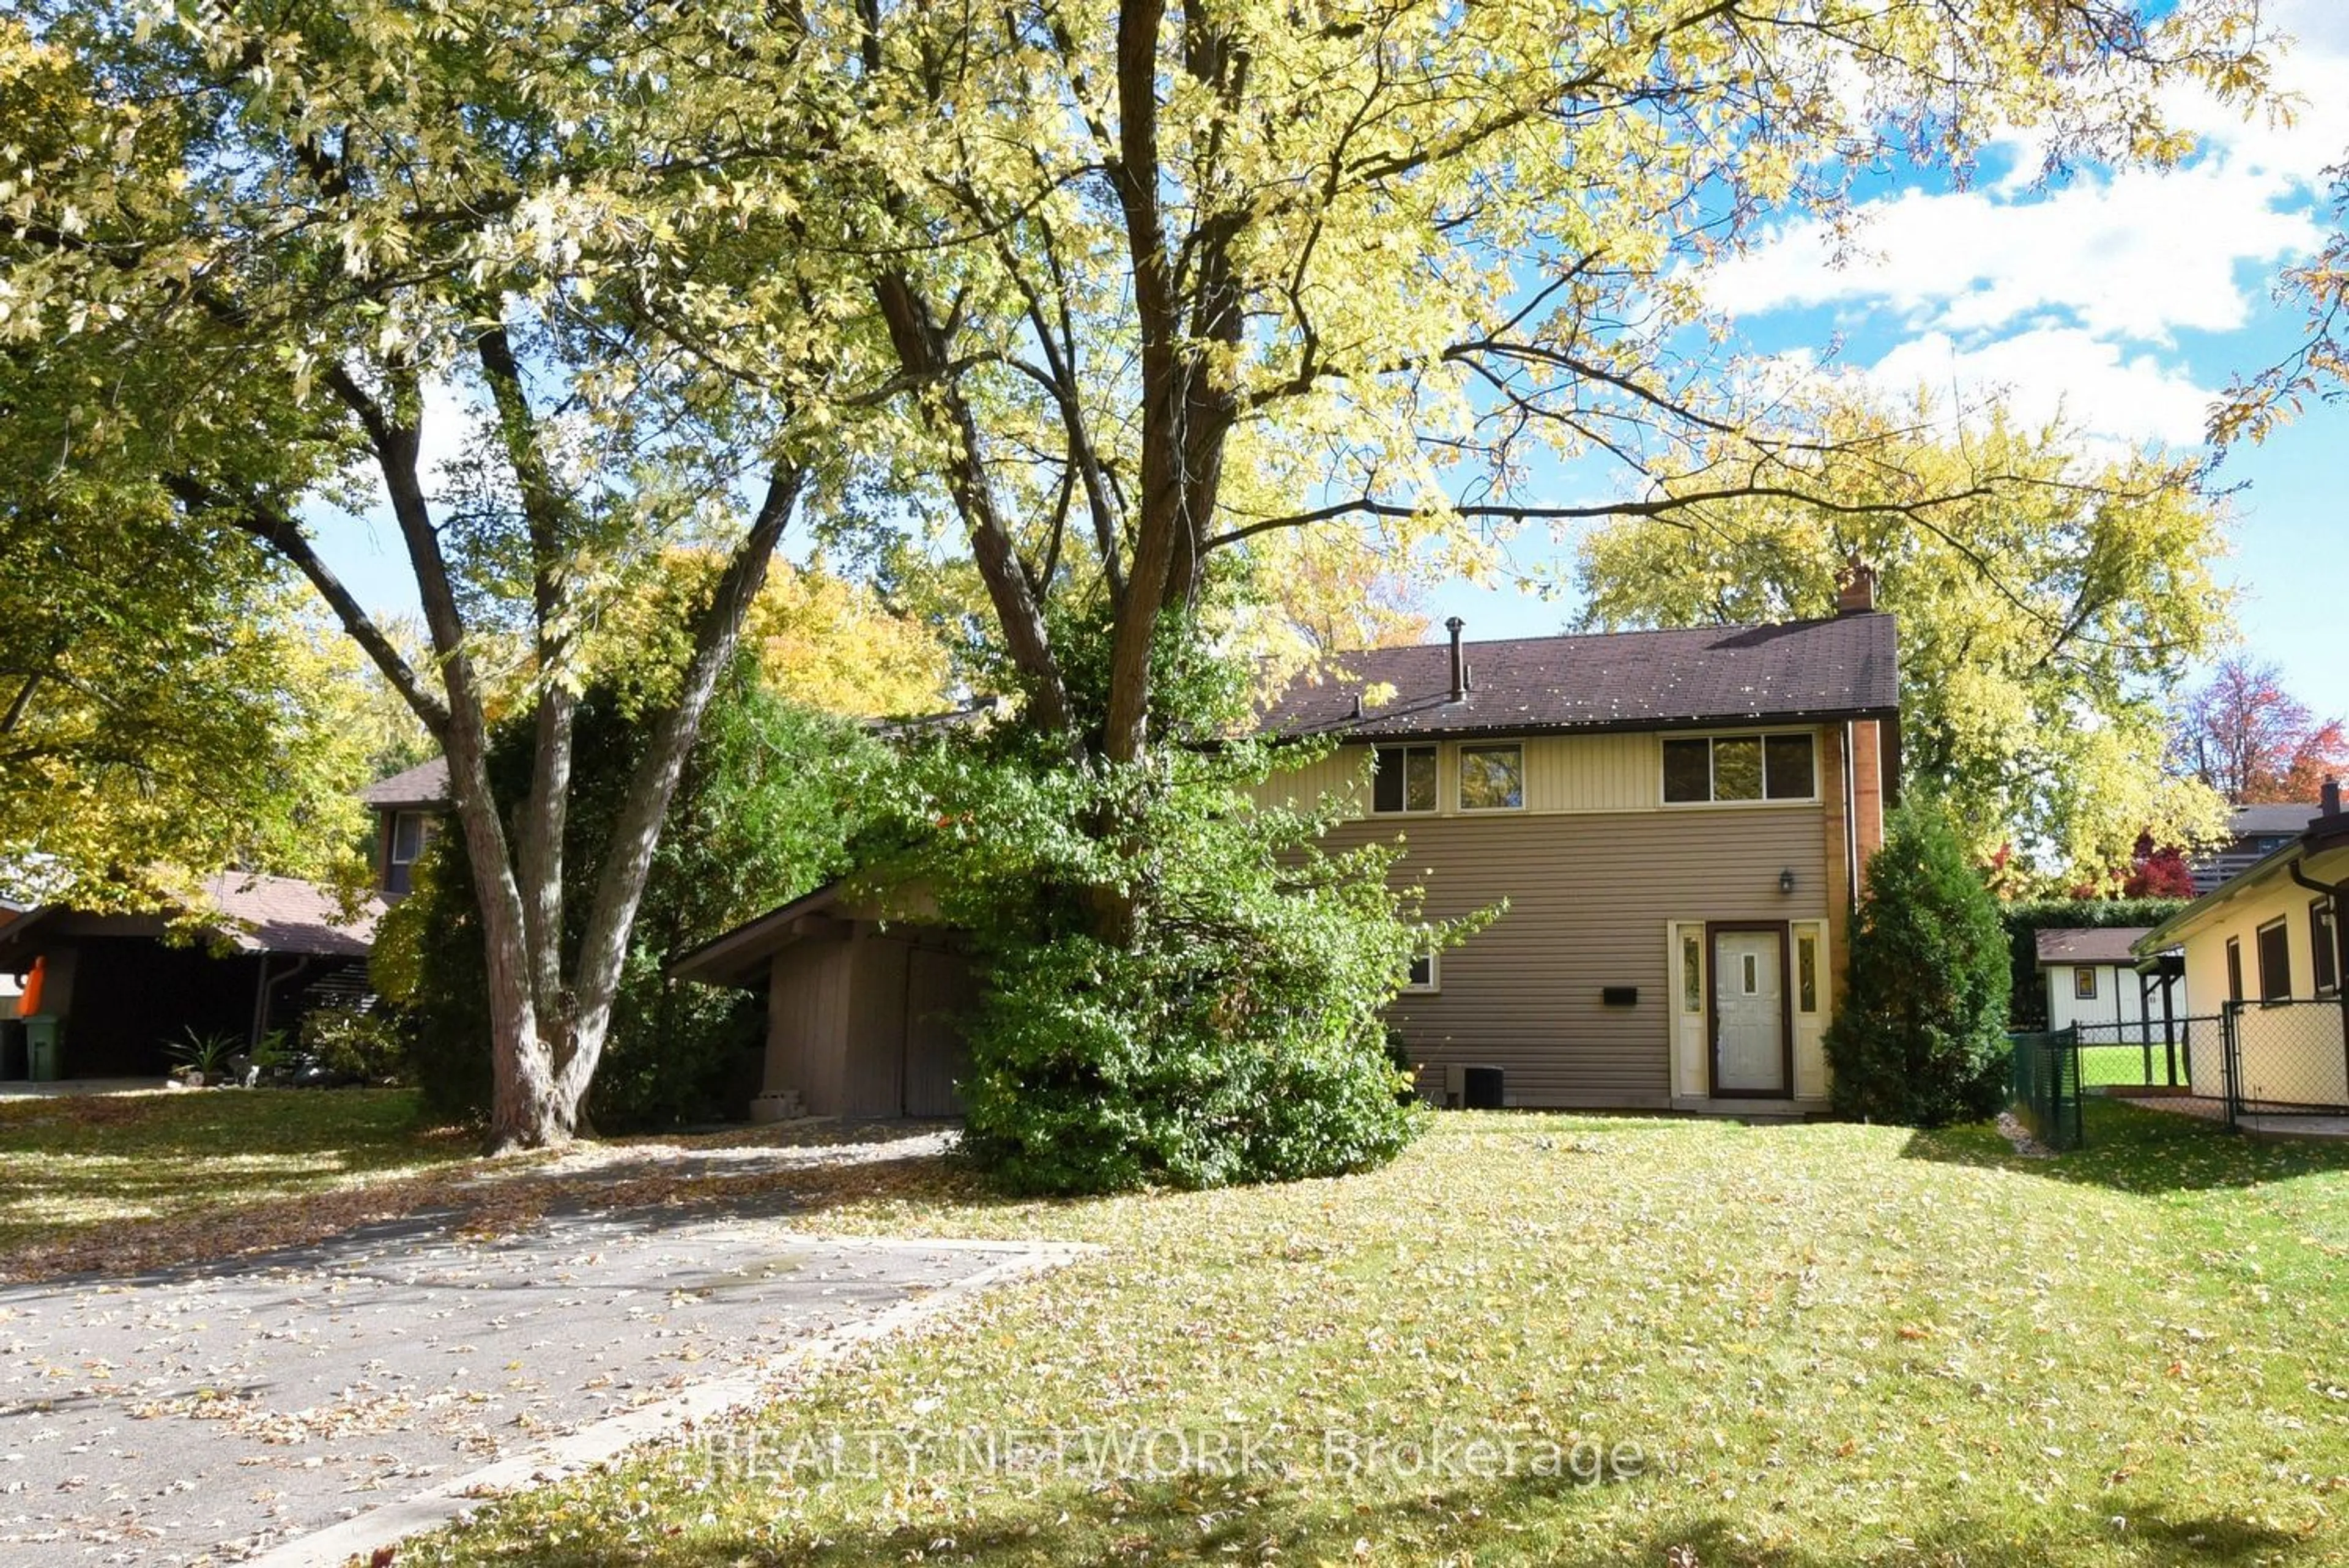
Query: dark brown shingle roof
{"x":426,"y":783}
{"x":1844,"y":668}
{"x":2089,"y":944}
{"x":260,"y":914}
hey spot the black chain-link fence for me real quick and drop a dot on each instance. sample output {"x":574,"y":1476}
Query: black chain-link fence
{"x":2288,"y":1058}
{"x":2046,"y":1086}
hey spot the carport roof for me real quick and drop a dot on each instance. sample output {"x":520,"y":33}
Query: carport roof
{"x":246,"y":911}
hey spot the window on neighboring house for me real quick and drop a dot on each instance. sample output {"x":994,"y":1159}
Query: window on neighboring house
{"x":2275,"y":962}
{"x":2324,"y":945}
{"x":2234,"y":969}
{"x":1807,"y":972}
{"x":1739,"y":768}
{"x":410,"y":831}
{"x":1403,"y":779}
{"x":1492,"y":778}
{"x":1421,"y":976}
{"x":2083,"y":983}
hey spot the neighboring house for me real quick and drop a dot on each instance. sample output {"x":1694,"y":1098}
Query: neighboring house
{"x":266,"y":949}
{"x":407,"y":809}
{"x":1676,"y":820}
{"x":2092,"y":979}
{"x":2253,"y":833}
{"x":2268,"y":947}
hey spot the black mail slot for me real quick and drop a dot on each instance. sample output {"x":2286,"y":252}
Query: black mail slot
{"x":1620,"y":995}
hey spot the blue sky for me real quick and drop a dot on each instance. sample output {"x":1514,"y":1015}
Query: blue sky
{"x":2128,"y":300}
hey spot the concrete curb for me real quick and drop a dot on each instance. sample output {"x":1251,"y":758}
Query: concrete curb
{"x":560,"y":1458}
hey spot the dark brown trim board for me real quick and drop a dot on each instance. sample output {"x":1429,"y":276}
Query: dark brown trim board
{"x":1786,"y":930}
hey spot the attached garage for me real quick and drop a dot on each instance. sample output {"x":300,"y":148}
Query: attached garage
{"x":862,"y":1013}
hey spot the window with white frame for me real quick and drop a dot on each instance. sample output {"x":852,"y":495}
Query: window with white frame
{"x":1403,"y":778}
{"x":1493,"y":777}
{"x":1701,"y":769}
{"x":1807,"y":970}
{"x":1422,"y":974}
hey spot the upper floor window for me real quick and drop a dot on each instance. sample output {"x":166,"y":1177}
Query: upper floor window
{"x":1421,"y":975}
{"x":410,"y":831}
{"x":2275,"y":962}
{"x":1492,"y":778}
{"x":1403,"y":778}
{"x":1740,"y":767}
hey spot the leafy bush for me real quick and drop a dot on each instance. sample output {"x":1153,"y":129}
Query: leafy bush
{"x":370,"y":1045}
{"x":762,"y":814}
{"x":1176,"y":988}
{"x":1920,"y":1038}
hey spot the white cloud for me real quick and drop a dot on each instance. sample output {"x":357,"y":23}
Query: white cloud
{"x":2097,"y":384}
{"x":2137,"y":256}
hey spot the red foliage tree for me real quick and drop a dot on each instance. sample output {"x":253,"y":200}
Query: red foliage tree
{"x":2248,"y":738}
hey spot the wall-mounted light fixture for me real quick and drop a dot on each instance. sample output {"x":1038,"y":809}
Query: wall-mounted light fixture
{"x":1786,"y":881}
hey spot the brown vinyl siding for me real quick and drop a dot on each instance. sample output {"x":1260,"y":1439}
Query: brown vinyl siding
{"x":1590,"y":896}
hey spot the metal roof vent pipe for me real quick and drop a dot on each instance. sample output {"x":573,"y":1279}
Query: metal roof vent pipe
{"x":1455,"y":626}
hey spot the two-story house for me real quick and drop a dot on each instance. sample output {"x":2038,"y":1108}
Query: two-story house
{"x":407,"y":806}
{"x":1676,"y":820}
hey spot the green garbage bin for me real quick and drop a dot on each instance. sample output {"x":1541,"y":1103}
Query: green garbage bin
{"x":44,"y":1038}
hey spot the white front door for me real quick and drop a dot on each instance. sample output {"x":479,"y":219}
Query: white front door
{"x":1749,"y":1012}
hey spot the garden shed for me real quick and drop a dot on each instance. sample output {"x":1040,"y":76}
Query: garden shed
{"x":863,"y":1003}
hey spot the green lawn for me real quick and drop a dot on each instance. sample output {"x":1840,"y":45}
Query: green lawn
{"x":80,"y":1178}
{"x":1829,"y":1344}
{"x":2126,"y":1064}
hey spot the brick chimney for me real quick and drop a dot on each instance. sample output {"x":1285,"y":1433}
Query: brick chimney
{"x":1855,"y":586}
{"x":2333,"y":797}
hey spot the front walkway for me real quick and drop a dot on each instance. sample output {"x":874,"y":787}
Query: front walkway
{"x":240,"y":1410}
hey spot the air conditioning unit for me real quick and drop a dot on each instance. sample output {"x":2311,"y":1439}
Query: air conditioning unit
{"x":1473,"y":1087}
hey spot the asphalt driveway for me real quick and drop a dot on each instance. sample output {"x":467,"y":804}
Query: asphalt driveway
{"x":224,"y":1412}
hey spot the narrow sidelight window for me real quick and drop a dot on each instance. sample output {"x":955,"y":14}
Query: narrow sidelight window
{"x":1807,"y":972}
{"x":1403,"y":779}
{"x":2234,"y":969}
{"x":1692,"y":973}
